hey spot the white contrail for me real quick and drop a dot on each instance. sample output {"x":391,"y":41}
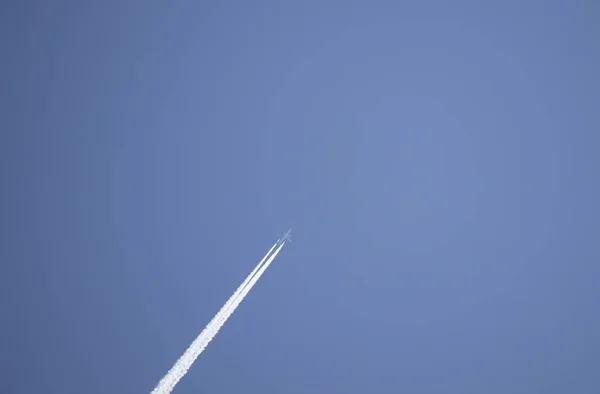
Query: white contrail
{"x":236,"y":294}
{"x":168,"y":382}
{"x":221,"y":321}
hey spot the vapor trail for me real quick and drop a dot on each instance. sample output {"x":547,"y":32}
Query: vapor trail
{"x":168,"y":382}
{"x":237,"y":292}
{"x":221,"y":321}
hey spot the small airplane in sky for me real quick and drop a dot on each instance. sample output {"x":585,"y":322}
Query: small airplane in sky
{"x":287,"y":236}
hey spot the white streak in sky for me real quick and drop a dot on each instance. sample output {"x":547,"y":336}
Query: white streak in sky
{"x":168,"y":382}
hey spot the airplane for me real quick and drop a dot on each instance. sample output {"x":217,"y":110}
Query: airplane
{"x":287,"y":236}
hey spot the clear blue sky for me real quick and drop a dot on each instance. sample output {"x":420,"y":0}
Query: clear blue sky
{"x":438,"y":161}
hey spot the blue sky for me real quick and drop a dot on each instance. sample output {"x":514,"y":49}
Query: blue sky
{"x":438,"y":162}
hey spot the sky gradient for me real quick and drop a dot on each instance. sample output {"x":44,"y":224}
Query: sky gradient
{"x":438,"y":161}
